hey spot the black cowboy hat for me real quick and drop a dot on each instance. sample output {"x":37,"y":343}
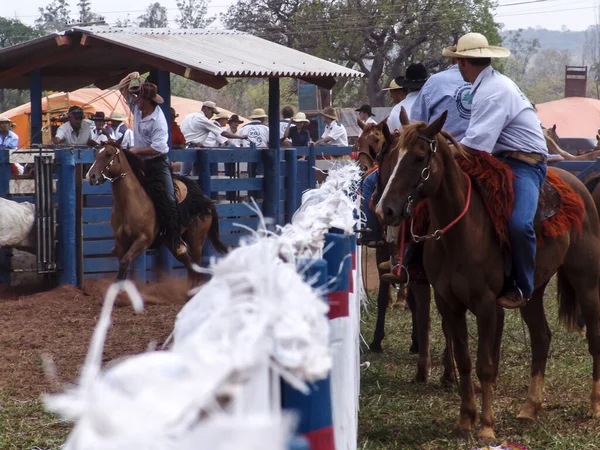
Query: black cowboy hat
{"x":366,"y":109}
{"x":99,"y":116}
{"x":415,"y":76}
{"x":234,"y":119}
{"x":74,"y":111}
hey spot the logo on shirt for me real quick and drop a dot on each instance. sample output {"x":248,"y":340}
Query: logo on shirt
{"x":464,"y":100}
{"x":254,"y":136}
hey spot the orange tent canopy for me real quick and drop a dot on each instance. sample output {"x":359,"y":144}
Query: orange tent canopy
{"x":573,"y":116}
{"x":92,"y":100}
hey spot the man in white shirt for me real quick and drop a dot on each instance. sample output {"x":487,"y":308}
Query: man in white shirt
{"x":197,"y":127}
{"x":101,"y":133}
{"x":398,"y":93}
{"x":414,"y":79}
{"x":504,"y":123}
{"x":151,"y":143}
{"x":365,"y":115}
{"x":75,"y":131}
{"x":335,"y":133}
{"x":217,"y":140}
{"x":287,"y":113}
{"x":257,"y":131}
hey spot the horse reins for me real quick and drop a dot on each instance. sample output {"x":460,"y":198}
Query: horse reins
{"x":109,"y":165}
{"x":425,"y":174}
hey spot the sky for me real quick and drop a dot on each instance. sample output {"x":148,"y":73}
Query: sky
{"x":552,"y":14}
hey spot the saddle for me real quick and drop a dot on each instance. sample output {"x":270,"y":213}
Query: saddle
{"x":559,"y":207}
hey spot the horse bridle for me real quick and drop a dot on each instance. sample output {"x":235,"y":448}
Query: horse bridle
{"x":109,"y":165}
{"x":425,"y":174}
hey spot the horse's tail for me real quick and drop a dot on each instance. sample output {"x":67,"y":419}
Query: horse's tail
{"x":213,"y":232}
{"x":568,"y":309}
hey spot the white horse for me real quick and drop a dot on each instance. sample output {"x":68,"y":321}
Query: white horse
{"x":17,"y":225}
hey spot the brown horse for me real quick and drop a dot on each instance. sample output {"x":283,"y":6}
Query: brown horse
{"x":466,"y":268}
{"x":552,"y":140}
{"x":133,"y":219}
{"x":377,"y":146}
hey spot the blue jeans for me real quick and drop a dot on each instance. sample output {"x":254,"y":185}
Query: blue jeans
{"x":372,"y":223}
{"x":526,"y":186}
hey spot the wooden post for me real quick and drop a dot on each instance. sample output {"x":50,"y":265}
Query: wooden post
{"x":272,"y":158}
{"x":67,"y":245}
{"x":291,"y":183}
{"x":35,"y":96}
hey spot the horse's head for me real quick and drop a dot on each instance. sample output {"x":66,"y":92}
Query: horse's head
{"x":370,"y":143}
{"x":418,"y":171}
{"x":552,"y":134}
{"x":108,"y":165}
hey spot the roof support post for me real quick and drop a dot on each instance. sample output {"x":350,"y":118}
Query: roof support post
{"x":35,"y":96}
{"x":162,"y":78}
{"x":272,"y":178}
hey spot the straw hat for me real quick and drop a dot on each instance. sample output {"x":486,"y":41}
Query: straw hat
{"x":396,"y":83}
{"x":117,"y":116}
{"x":300,"y":117}
{"x":330,"y":113}
{"x":475,"y":45}
{"x":4,"y":119}
{"x":258,"y":113}
{"x":221,"y":115}
{"x":211,"y":105}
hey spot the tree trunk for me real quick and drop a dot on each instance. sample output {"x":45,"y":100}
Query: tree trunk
{"x":376,"y":97}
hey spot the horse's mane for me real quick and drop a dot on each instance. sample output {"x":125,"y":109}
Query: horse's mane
{"x":410,"y":134}
{"x":136,"y":163}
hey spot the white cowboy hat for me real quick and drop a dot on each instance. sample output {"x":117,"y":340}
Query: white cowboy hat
{"x":117,"y":116}
{"x":221,"y":115}
{"x":300,"y":117}
{"x":475,"y":45}
{"x":211,"y":105}
{"x":258,"y":113}
{"x":394,"y":84}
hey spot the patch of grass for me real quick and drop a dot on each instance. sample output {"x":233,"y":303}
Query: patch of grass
{"x":25,"y":425}
{"x":396,"y":413}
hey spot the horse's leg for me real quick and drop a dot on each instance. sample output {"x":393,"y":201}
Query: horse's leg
{"x":382,"y":253}
{"x":195,"y":237}
{"x":136,"y":249}
{"x":412,"y":306}
{"x":456,"y":322}
{"x":498,"y":343}
{"x":448,"y":377}
{"x":487,"y":322}
{"x":585,"y":290}
{"x":422,"y":299}
{"x":534,"y":316}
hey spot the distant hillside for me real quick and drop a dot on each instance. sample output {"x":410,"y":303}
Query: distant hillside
{"x":560,"y":40}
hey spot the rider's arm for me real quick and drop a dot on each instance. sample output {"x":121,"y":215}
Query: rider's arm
{"x":487,"y":121}
{"x":124,"y":85}
{"x":230,"y":135}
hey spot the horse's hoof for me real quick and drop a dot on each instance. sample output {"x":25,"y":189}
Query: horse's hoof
{"x":594,"y":413}
{"x":414,"y":348}
{"x":460,"y":432}
{"x":486,"y":434}
{"x":375,"y":347}
{"x":528,"y":413}
{"x":420,"y":377}
{"x":477,"y":388}
{"x":447,"y":381}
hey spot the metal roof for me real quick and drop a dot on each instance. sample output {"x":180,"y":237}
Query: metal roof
{"x":101,"y":55}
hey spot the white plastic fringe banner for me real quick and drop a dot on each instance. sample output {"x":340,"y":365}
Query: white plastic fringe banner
{"x":217,"y":387}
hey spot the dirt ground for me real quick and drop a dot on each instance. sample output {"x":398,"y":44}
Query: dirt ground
{"x":60,"y":322}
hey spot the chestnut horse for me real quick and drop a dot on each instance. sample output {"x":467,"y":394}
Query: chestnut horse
{"x":133,"y":219}
{"x":552,"y":140}
{"x":465,"y":266}
{"x":377,"y":146}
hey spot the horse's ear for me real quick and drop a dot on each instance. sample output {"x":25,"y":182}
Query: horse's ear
{"x":404,"y":117}
{"x":554,"y":127}
{"x":360,"y":123}
{"x":436,"y":126}
{"x":383,"y":126}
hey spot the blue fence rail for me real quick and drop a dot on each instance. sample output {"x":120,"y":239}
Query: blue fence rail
{"x":276,"y":180}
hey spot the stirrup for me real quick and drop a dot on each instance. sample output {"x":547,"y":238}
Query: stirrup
{"x":506,"y":303}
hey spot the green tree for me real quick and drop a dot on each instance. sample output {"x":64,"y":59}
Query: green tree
{"x":154,"y":17}
{"x":378,"y":37}
{"x":124,"y":23}
{"x":54,"y":17}
{"x":84,"y":7}
{"x":193,"y":14}
{"x":522,"y":51}
{"x":12,"y":32}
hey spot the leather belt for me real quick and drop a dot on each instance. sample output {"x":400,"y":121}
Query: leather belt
{"x":528,"y":158}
